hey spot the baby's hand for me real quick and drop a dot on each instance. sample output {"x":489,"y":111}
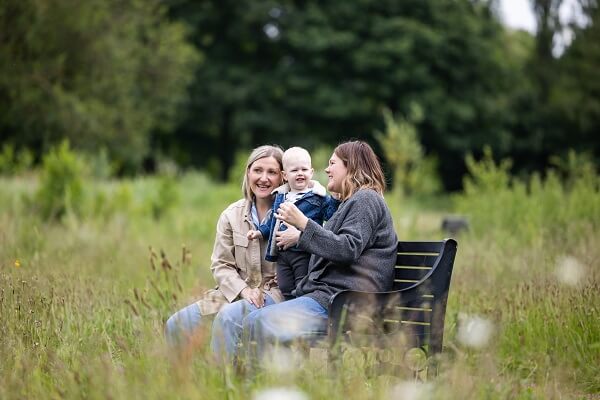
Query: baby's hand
{"x":254,"y":235}
{"x":336,"y":195}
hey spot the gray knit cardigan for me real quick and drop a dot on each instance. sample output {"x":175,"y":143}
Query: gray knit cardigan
{"x":355,"y":250}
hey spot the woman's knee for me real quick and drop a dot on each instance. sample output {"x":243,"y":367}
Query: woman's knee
{"x":186,"y":320}
{"x":249,"y":321}
{"x":231,"y":313}
{"x":171,"y":325}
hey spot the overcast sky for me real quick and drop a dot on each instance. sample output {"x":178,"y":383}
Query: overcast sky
{"x":517,"y":14}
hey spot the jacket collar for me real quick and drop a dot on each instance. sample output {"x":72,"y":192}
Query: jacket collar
{"x":317,"y":189}
{"x":248,"y":211}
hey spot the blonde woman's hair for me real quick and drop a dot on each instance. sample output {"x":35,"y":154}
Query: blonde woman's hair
{"x":260,"y":152}
{"x":364,"y":169}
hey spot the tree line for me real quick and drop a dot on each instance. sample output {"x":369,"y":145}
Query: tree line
{"x":197,"y":81}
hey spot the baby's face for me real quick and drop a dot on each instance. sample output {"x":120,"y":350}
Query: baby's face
{"x":298,"y":172}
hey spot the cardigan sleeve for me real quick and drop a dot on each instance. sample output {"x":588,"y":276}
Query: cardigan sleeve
{"x":361,"y":215}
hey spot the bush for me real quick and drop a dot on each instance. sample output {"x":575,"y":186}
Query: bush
{"x":561,"y":207}
{"x":61,"y":185}
{"x":414,"y":172}
{"x":12,"y":162}
{"x":166,"y":197}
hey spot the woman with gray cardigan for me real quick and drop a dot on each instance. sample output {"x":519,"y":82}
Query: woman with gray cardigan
{"x":355,"y":250}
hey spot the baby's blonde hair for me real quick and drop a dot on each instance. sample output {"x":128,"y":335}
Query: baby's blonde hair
{"x":295,"y":151}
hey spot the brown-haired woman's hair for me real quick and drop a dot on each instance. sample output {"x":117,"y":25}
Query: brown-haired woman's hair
{"x":364,"y":169}
{"x":260,"y":152}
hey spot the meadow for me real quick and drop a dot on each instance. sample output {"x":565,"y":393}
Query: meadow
{"x":90,"y":268}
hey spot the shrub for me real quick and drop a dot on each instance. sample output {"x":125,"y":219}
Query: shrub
{"x":13,"y":162}
{"x":414,"y":172}
{"x":560,"y":207}
{"x":166,"y":197}
{"x":61,"y":185}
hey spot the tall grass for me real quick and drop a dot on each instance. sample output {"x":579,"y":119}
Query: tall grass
{"x":83,"y":299}
{"x":531,"y":264}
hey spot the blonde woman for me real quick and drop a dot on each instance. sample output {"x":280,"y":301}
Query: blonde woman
{"x":238,"y":265}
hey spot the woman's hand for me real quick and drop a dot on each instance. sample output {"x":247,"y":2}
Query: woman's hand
{"x":288,"y":238}
{"x":290,"y":214}
{"x":254,"y":296}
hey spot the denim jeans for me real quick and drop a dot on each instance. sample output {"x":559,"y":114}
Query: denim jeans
{"x":278,"y":323}
{"x":227,"y":327}
{"x":182,"y":325}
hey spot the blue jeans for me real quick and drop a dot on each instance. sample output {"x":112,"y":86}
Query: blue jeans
{"x":227,"y":327}
{"x":182,"y":325}
{"x":281,"y":323}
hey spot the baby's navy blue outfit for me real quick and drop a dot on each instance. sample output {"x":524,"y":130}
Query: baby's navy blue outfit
{"x":292,"y":264}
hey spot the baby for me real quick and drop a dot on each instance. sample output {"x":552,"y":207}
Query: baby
{"x":311,"y":198}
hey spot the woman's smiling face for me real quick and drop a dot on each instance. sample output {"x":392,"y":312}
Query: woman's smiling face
{"x":336,"y":171}
{"x":264,"y":175}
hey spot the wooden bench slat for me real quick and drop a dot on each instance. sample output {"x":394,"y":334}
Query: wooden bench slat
{"x":419,"y":247}
{"x":415,"y":323}
{"x":411,"y":273}
{"x":407,"y":322}
{"x":425,"y":309}
{"x":407,"y":260}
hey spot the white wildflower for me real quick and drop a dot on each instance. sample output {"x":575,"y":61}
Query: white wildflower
{"x":294,"y":324}
{"x":569,"y":271}
{"x":281,"y":360}
{"x":280,"y":393}
{"x":474,"y":331}
{"x":409,"y":390}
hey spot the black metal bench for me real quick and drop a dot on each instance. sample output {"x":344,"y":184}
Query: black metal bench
{"x":409,"y":317}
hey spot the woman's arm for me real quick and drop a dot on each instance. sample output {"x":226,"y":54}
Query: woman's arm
{"x":223,"y":264}
{"x":361,"y":215}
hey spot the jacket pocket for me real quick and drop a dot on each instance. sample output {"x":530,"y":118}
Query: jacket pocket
{"x":241,"y":253}
{"x":240,"y":240}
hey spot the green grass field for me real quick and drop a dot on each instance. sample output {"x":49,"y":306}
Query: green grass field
{"x":83,"y":298}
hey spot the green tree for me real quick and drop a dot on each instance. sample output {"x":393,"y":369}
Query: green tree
{"x":556,"y":107}
{"x":102,"y":73}
{"x":305,"y":72}
{"x":575,"y":96}
{"x":534,"y":125}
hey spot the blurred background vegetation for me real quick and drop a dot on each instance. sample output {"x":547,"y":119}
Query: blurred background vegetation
{"x":125,"y":126}
{"x":193,"y":83}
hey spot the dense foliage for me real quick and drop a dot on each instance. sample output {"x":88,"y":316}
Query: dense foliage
{"x":198,"y":81}
{"x":100,"y":73}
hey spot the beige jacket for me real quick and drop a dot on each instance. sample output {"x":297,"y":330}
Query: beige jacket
{"x":237,"y":262}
